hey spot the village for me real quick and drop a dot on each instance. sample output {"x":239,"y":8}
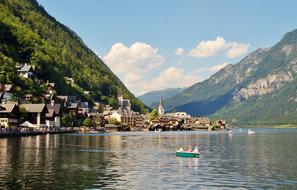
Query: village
{"x":20,"y":115}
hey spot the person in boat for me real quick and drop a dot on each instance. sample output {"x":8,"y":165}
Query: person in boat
{"x":181,"y":149}
{"x":190,"y":149}
{"x":196,"y":149}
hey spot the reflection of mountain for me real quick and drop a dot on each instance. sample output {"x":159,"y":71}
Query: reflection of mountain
{"x":260,"y":89}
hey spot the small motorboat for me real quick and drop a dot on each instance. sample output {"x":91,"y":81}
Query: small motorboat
{"x":251,"y":132}
{"x":158,"y":131}
{"x":187,"y":154}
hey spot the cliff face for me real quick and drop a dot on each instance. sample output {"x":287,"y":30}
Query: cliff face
{"x":28,"y":34}
{"x":260,"y":89}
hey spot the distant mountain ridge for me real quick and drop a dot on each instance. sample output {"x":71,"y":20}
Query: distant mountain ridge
{"x":152,"y":98}
{"x":28,"y":34}
{"x":261,"y":89}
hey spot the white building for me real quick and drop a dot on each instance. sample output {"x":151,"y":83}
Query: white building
{"x":182,"y":115}
{"x":25,"y":71}
{"x":132,"y":119}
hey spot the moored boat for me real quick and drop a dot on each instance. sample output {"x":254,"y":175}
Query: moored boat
{"x":251,"y":132}
{"x":187,"y":154}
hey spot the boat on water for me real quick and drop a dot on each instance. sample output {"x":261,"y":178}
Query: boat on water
{"x":158,"y":131}
{"x":187,"y":154}
{"x":251,"y":132}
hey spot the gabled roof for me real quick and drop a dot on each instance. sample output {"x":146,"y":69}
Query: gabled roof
{"x":72,"y":105}
{"x":27,"y":124}
{"x":50,"y":84}
{"x":50,"y":112}
{"x":7,"y":108}
{"x":8,"y":87}
{"x":25,"y":68}
{"x":84,"y":105}
{"x":33,"y":108}
{"x":53,"y":110}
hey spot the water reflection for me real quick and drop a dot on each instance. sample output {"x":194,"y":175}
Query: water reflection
{"x":147,"y":161}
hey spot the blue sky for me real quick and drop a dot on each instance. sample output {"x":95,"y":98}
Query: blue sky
{"x":154,"y":44}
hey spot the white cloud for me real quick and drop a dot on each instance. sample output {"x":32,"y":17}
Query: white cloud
{"x":212,"y":47}
{"x":139,"y":58}
{"x":218,"y":67}
{"x":179,"y":52}
{"x":171,"y":77}
{"x":211,"y":69}
{"x":131,"y":78}
{"x":208,"y":48}
{"x":235,"y":49}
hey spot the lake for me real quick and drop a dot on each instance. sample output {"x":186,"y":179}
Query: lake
{"x":146,"y":160}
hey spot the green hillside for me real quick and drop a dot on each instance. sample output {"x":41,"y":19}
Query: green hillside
{"x":261,"y":89}
{"x":28,"y":34}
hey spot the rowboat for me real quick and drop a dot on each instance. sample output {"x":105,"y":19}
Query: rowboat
{"x":187,"y":154}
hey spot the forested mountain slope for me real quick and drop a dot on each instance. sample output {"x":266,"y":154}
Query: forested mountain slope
{"x":28,"y":34}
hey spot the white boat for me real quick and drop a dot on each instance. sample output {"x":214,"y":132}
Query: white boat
{"x":251,"y":132}
{"x":230,"y":132}
{"x":158,"y":131}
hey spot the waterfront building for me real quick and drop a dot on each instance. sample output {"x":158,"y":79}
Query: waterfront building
{"x":36,"y":114}
{"x":72,"y":108}
{"x":161,"y":110}
{"x":221,"y":124}
{"x":131,"y":119}
{"x":83,"y":108}
{"x":182,"y":115}
{"x":53,"y":117}
{"x":201,"y":121}
{"x":9,"y":114}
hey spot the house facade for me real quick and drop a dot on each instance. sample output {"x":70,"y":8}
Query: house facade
{"x":36,"y":114}
{"x":25,"y":71}
{"x":53,"y":117}
{"x":9,"y":115}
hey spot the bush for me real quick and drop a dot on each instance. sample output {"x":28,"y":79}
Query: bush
{"x":88,"y":122}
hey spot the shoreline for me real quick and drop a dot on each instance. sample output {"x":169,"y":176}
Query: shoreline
{"x":32,"y":133}
{"x":72,"y":131}
{"x":282,"y":126}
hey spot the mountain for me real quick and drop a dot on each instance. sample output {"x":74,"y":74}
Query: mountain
{"x":28,"y":34}
{"x":152,"y":98}
{"x":261,"y":89}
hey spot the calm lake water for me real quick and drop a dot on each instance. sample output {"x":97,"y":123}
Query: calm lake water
{"x":146,"y":160}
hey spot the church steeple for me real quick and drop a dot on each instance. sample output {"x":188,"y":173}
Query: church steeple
{"x":161,"y":107}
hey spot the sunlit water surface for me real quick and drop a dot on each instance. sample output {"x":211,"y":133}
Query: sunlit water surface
{"x":146,"y":160}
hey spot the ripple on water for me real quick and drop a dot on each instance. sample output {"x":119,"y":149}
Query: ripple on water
{"x":147,"y":161}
